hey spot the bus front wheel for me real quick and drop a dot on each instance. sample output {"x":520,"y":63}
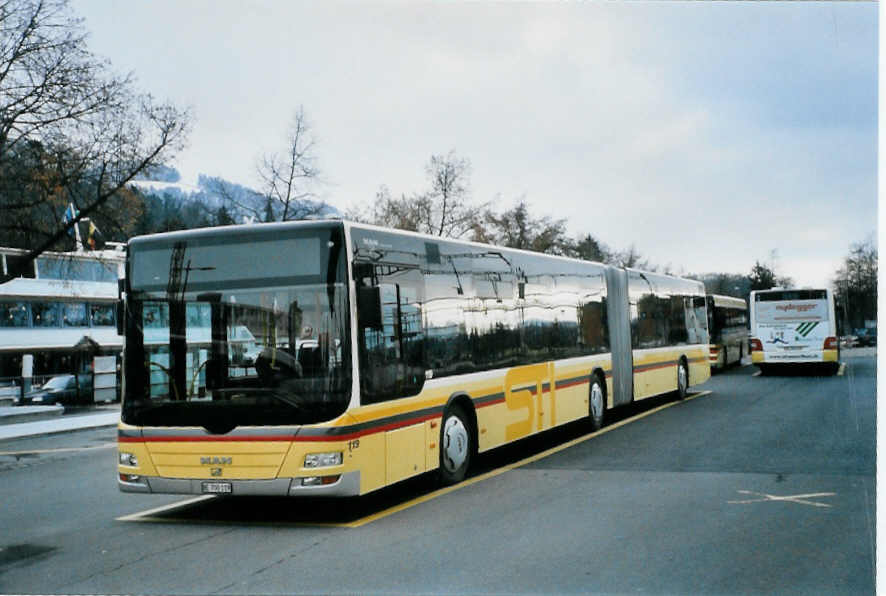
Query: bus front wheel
{"x":455,"y":445}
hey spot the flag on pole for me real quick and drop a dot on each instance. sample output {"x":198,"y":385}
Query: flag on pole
{"x":69,"y":216}
{"x":94,"y":237}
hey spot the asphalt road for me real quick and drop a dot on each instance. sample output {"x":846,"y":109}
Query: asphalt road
{"x":765,"y":484}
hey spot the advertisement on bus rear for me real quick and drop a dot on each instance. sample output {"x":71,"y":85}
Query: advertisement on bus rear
{"x":792,"y":311}
{"x":792,"y":330}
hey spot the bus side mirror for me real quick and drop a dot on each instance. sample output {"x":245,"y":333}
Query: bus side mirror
{"x":120,"y":306}
{"x":369,"y":315}
{"x":120,"y":314}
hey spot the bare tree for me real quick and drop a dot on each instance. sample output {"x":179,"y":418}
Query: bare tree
{"x":448,"y":211}
{"x":288,"y":178}
{"x":856,"y":284}
{"x":588,"y":248}
{"x":445,"y":209}
{"x":404,"y":213}
{"x":71,"y":132}
{"x":518,"y":228}
{"x":764,"y":276}
{"x":240,"y":204}
{"x":631,"y":257}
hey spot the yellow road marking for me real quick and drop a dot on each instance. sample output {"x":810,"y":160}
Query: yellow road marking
{"x":150,"y":515}
{"x":59,"y":450}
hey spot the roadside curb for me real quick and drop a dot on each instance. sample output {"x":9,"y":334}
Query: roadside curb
{"x":19,"y":414}
{"x":58,"y":424}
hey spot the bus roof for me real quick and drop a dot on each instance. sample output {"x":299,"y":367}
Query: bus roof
{"x":728,"y":301}
{"x":776,"y":294}
{"x":430,"y":238}
{"x":258,"y":229}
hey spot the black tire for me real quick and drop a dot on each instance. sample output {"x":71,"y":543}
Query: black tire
{"x":596,"y":403}
{"x":682,"y":380}
{"x":456,"y":445}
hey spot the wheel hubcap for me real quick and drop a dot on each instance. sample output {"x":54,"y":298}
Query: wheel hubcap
{"x":681,"y":378}
{"x":455,"y":444}
{"x":596,"y":401}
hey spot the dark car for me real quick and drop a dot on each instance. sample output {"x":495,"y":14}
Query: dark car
{"x":866,"y":337}
{"x":60,"y":389}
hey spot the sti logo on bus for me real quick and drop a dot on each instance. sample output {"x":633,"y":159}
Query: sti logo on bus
{"x":216,"y":461}
{"x":524,"y":390}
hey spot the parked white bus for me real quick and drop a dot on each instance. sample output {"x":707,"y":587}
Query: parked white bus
{"x":794,"y":327}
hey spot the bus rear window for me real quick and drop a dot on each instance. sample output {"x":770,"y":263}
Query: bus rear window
{"x":791,"y":295}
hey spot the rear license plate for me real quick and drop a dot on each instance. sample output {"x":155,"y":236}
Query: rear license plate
{"x":217,"y":488}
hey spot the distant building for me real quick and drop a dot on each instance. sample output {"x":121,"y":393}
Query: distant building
{"x":61,"y":312}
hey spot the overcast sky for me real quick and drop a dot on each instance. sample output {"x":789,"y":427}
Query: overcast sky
{"x":706,"y":134}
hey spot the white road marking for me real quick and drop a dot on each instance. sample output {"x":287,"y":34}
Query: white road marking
{"x":801,"y":499}
{"x":141,"y":515}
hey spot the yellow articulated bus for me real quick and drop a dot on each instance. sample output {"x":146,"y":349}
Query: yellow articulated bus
{"x":728,"y":328}
{"x":794,"y":328}
{"x":374,"y":355}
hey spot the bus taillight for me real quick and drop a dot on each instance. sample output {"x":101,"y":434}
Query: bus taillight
{"x":756,"y":345}
{"x":830,"y":343}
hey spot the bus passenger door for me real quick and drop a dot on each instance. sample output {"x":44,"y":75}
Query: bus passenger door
{"x":619,"y":320}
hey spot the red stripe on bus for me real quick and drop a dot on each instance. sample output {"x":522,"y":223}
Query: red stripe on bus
{"x":500,"y":400}
{"x":366,"y":431}
{"x":574,"y":384}
{"x":189,"y":439}
{"x":648,"y":367}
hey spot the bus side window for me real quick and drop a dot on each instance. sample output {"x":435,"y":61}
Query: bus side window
{"x":392,"y":345}
{"x":678,"y":331}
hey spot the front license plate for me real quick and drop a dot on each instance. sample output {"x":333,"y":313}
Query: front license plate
{"x":217,"y":488}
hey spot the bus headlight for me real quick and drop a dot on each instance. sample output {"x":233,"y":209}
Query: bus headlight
{"x":128,"y":459}
{"x":323,"y":460}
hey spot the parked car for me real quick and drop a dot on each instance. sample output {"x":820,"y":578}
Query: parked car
{"x":866,"y":337}
{"x":60,"y":389}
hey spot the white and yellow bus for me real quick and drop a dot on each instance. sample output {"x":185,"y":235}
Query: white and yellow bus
{"x":728,"y":328}
{"x":379,"y":355}
{"x":794,"y":327}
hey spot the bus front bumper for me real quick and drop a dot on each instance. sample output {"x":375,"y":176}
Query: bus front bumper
{"x":348,"y":485}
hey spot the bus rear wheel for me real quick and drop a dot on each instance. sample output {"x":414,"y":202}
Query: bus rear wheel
{"x":596,"y":403}
{"x":456,"y":445}
{"x":682,"y":380}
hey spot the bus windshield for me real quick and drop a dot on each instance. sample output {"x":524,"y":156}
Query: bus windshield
{"x":242,"y":329}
